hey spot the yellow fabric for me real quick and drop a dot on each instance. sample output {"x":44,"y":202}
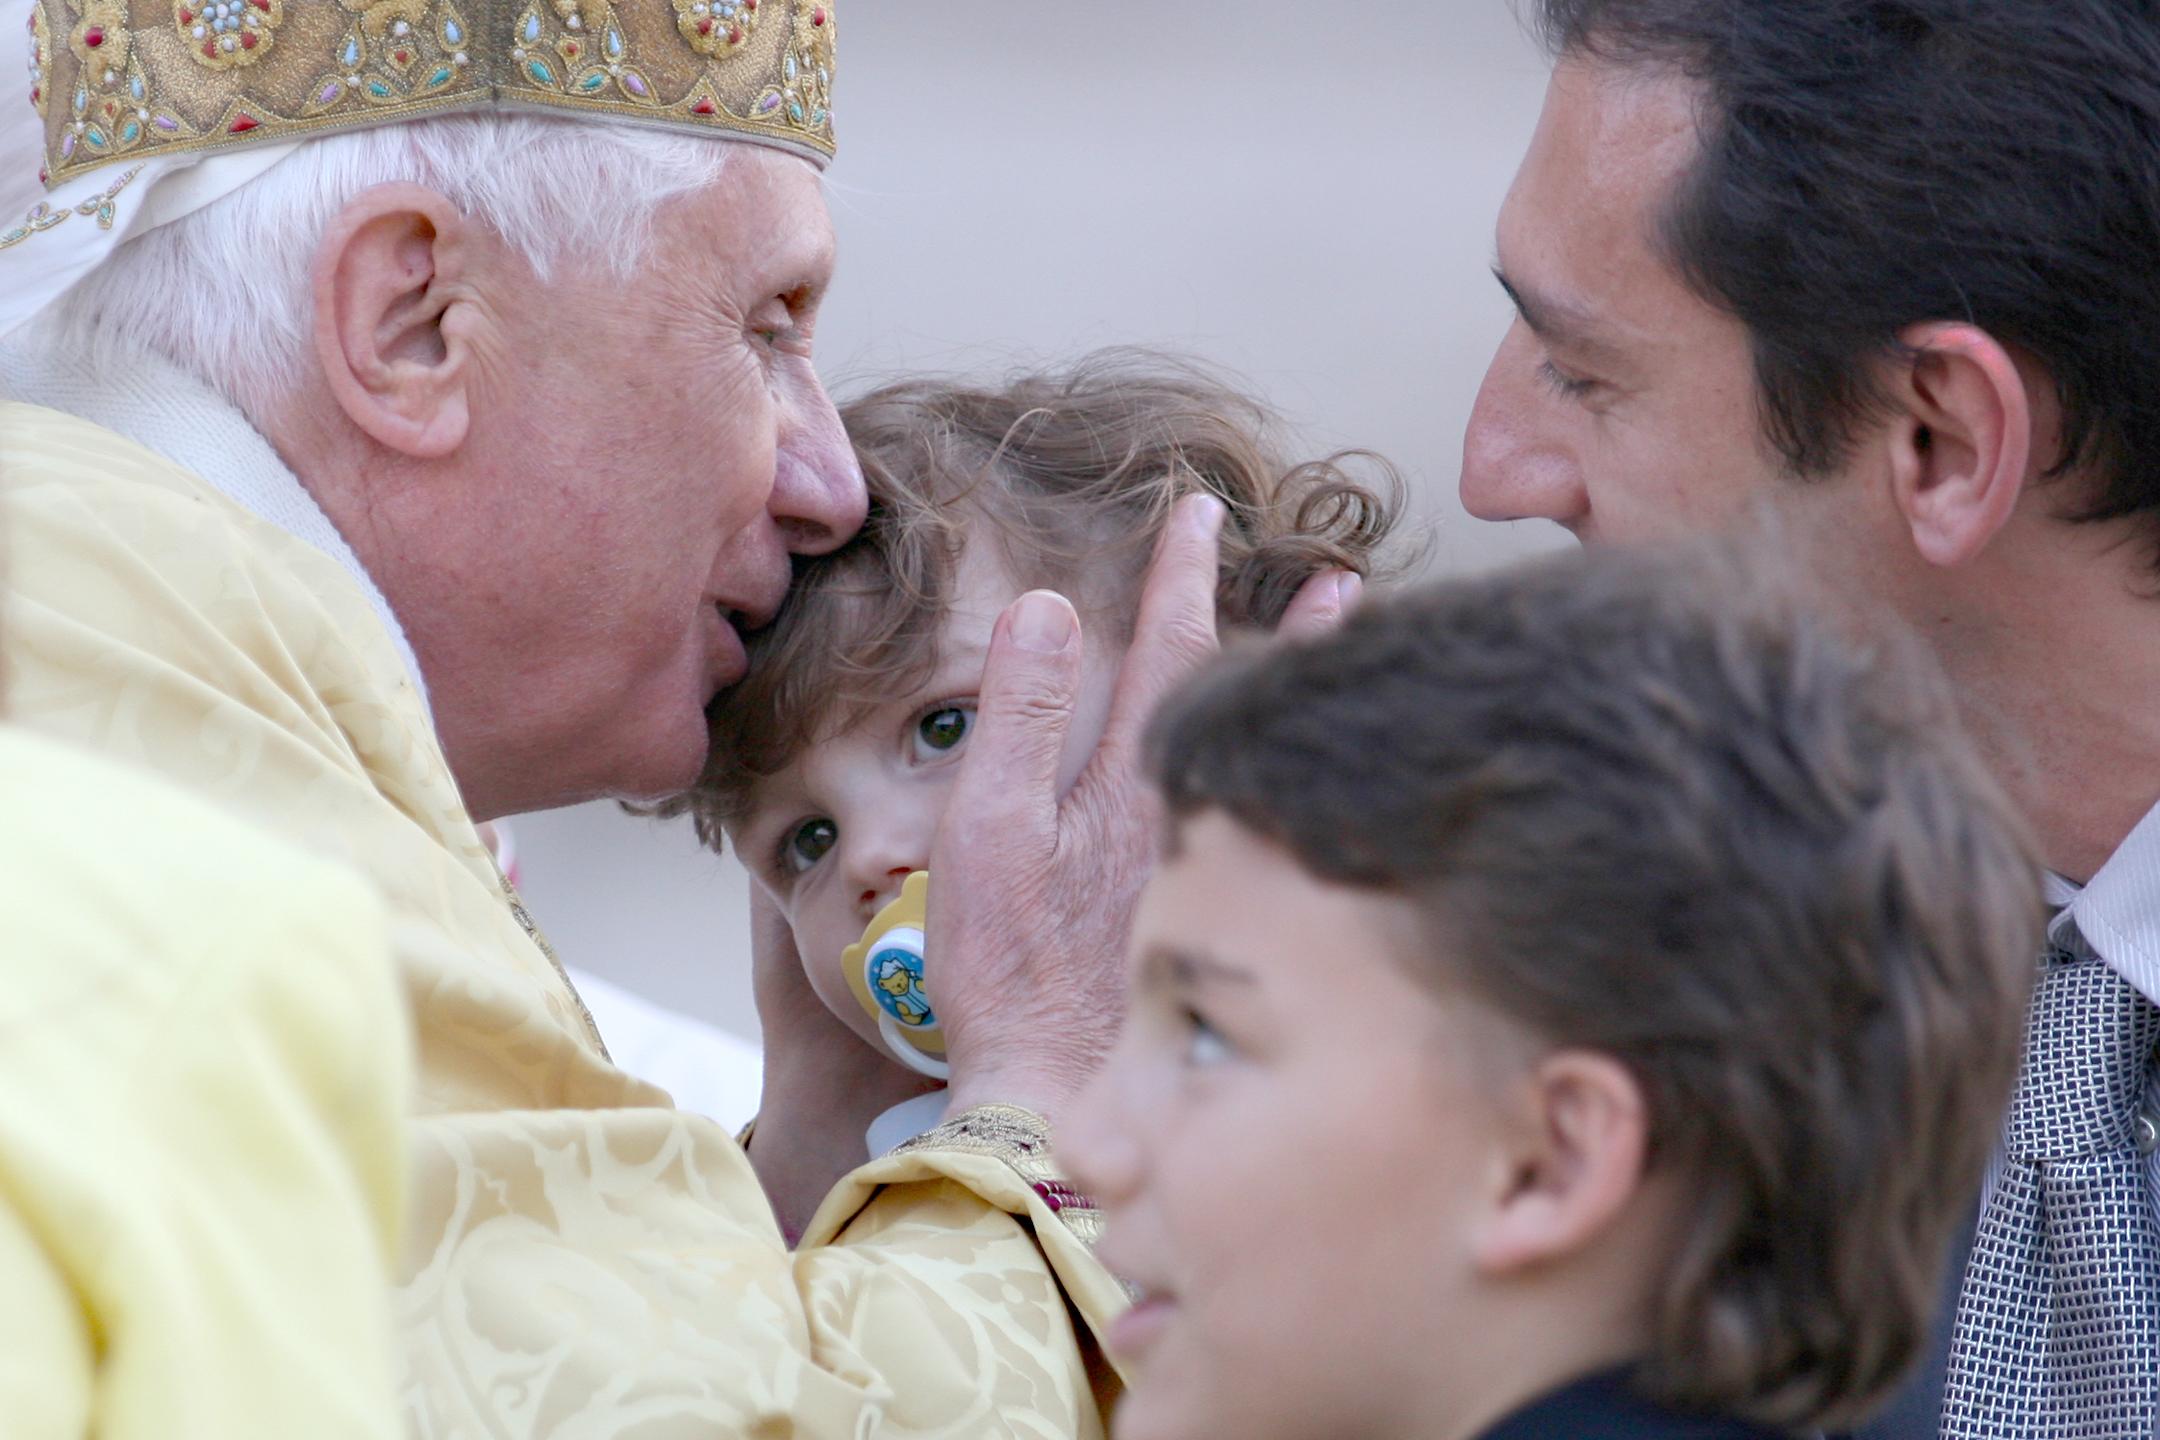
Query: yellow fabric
{"x":202,"y":1083}
{"x":582,"y":1259}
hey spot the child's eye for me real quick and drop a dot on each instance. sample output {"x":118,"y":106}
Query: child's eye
{"x":809,"y":844}
{"x":941,"y":731}
{"x":1204,"y":1044}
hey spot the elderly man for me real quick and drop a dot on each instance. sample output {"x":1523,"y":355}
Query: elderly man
{"x":1887,"y":268}
{"x":413,"y":406}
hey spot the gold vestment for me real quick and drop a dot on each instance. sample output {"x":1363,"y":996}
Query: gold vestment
{"x":580,"y":1259}
{"x":203,"y":1071}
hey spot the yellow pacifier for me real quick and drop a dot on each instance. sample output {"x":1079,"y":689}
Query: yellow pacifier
{"x":885,"y":972}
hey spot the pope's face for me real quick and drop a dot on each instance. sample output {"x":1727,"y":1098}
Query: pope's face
{"x":658,"y":446}
{"x":1289,"y":1143}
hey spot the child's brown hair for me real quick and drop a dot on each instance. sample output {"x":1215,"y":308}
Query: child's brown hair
{"x":1073,"y":473}
{"x":1650,"y":808}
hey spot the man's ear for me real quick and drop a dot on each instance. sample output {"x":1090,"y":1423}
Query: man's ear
{"x":1962,"y":440}
{"x":389,"y":280}
{"x":1573,"y":1160}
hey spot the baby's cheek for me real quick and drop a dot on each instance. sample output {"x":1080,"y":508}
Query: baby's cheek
{"x":820,"y":941}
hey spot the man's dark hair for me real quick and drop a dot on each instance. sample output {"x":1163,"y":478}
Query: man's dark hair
{"x":1645,"y":807}
{"x":1872,"y":164}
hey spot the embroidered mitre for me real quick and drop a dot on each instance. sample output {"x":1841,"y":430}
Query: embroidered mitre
{"x":125,"y":80}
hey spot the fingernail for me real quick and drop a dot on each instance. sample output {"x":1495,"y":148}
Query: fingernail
{"x":1042,"y":623}
{"x":1348,"y":591}
{"x":1204,"y":513}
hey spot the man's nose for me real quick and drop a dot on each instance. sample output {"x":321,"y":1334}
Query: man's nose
{"x":1518,"y":464}
{"x":818,"y":500}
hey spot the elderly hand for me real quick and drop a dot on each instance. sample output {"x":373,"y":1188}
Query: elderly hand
{"x":1033,"y":895}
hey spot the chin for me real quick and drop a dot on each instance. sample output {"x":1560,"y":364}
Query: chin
{"x":661,"y":763}
{"x":1153,"y":1413}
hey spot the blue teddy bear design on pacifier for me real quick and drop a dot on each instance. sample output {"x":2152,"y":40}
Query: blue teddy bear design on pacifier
{"x":896,"y":982}
{"x":884,"y":971}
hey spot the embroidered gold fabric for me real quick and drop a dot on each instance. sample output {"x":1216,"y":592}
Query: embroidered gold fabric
{"x":1021,"y":1140}
{"x":117,"y":80}
{"x":580,"y":1259}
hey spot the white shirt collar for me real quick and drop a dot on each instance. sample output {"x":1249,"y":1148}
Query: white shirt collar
{"x":2118,"y":910}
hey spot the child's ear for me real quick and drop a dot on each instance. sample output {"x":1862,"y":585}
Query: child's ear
{"x":1572,"y":1160}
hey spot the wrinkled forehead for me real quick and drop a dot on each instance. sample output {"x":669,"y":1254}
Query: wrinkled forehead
{"x":764,"y":217}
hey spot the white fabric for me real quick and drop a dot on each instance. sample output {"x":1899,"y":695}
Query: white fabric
{"x":38,"y":270}
{"x":161,"y":408}
{"x":44,"y":266}
{"x":904,"y":1122}
{"x":2118,"y":910}
{"x":706,"y":1070}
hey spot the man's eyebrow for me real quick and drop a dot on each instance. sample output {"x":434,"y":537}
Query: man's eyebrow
{"x":1166,"y":966}
{"x":1553,"y":320}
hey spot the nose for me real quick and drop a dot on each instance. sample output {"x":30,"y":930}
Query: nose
{"x":879,"y":894}
{"x":1100,"y":1151}
{"x":818,"y":500}
{"x":1519,"y":460}
{"x":883,"y":852}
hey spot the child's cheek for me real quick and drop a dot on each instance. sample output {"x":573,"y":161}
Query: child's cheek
{"x":820,"y":939}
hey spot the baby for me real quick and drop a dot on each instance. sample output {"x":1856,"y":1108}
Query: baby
{"x":1577,"y":1002}
{"x":842,"y":743}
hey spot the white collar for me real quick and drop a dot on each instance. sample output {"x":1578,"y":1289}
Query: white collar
{"x":161,"y":408}
{"x":2118,"y":910}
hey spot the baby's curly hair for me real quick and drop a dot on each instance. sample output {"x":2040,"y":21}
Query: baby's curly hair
{"x":1074,"y":473}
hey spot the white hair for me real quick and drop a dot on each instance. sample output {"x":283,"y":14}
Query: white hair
{"x":225,"y":293}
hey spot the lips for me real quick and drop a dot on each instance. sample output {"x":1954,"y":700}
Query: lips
{"x":1136,"y":1332}
{"x":727,"y":661}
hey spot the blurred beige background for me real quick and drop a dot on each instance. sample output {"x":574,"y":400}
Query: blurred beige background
{"x":1303,"y":192}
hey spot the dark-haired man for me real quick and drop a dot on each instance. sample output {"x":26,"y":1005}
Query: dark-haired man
{"x":1886,"y":268}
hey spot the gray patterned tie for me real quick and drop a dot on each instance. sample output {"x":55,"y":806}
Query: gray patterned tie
{"x":2058,"y":1326}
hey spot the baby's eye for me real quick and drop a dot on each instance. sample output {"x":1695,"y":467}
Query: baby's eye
{"x":941,"y":731}
{"x":809,"y":844}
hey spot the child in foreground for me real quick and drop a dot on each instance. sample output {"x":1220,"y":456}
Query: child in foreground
{"x":842,"y":742}
{"x":1573,"y":1003}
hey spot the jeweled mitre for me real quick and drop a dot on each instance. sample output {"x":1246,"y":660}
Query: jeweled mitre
{"x":121,"y":80}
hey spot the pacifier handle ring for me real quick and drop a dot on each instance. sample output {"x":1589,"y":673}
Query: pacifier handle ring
{"x":896,"y":1041}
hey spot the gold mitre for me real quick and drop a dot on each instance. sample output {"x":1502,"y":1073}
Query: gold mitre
{"x":129,"y":80}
